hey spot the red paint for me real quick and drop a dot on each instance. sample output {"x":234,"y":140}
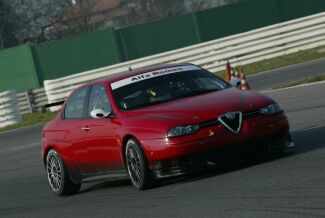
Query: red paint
{"x":101,"y":148}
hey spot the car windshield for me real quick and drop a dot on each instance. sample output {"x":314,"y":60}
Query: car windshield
{"x":167,"y":88}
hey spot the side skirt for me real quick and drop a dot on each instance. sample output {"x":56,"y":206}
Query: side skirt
{"x":109,"y":176}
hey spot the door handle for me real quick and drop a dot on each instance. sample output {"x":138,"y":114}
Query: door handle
{"x":85,"y":129}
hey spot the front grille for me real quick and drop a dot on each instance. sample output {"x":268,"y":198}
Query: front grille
{"x":180,"y":166}
{"x":209,"y":123}
{"x":217,"y":122}
{"x":251,"y":113}
{"x":232,"y":121}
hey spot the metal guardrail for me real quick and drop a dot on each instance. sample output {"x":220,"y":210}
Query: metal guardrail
{"x":9,"y":112}
{"x":32,"y":100}
{"x":267,"y":42}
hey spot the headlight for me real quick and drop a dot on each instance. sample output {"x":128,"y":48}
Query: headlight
{"x":183,"y":130}
{"x":271,"y":109}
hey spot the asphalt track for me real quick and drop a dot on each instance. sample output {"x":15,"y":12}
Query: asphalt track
{"x":292,"y":185}
{"x":293,"y":73}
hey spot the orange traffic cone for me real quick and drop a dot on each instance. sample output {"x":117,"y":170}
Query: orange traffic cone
{"x":236,"y":73}
{"x":228,"y":72}
{"x":244,"y":85}
{"x":235,"y":78}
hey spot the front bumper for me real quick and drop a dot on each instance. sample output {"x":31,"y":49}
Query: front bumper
{"x":190,"y":163}
{"x":174,"y":156}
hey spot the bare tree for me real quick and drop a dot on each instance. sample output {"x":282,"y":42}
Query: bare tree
{"x":195,"y":5}
{"x":198,"y":5}
{"x":78,"y":17}
{"x":8,"y":25}
{"x":141,"y":11}
{"x":36,"y":21}
{"x":167,"y":8}
{"x":34,"y":17}
{"x":44,"y":20}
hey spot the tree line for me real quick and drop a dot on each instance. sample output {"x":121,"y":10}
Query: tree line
{"x":37,"y":21}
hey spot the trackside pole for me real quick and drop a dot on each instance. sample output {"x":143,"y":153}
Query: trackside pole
{"x":228,"y":72}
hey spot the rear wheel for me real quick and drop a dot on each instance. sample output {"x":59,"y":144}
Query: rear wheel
{"x":137,"y":165}
{"x":58,"y":177}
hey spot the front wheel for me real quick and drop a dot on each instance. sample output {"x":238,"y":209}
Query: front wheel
{"x":59,"y":180}
{"x":137,"y":166}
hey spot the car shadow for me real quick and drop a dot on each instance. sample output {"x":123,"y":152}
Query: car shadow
{"x":306,"y":140}
{"x":106,"y":184}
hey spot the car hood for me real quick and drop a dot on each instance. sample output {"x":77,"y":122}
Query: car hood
{"x":203,"y":107}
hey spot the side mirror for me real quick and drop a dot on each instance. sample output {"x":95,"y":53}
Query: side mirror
{"x":99,"y":113}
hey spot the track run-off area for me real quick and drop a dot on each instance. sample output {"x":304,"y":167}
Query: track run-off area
{"x":290,"y":185}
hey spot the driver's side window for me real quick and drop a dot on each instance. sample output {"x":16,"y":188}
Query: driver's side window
{"x":98,"y":99}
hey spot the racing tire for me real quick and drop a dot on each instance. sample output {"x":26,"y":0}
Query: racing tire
{"x":137,"y":165}
{"x":58,"y":177}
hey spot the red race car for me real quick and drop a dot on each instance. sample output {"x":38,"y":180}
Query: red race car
{"x":154,"y":123}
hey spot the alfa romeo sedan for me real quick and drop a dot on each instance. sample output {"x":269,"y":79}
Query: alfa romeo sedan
{"x":154,"y":123}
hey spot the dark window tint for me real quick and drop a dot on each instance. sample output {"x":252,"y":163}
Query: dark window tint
{"x":167,"y":88}
{"x":75,"y":105}
{"x":98,"y":99}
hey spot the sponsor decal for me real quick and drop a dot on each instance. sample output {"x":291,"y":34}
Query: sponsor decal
{"x":152,"y":74}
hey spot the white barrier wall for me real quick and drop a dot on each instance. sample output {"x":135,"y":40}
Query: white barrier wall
{"x":256,"y":45}
{"x":9,"y":111}
{"x":32,"y":100}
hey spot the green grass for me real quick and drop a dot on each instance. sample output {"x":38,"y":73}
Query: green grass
{"x":305,"y":81}
{"x":285,"y":60}
{"x":273,"y":63}
{"x":31,"y":119}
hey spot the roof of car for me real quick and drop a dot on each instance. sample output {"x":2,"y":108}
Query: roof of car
{"x":126,"y":74}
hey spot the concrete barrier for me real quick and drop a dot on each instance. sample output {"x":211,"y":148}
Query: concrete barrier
{"x":9,"y":111}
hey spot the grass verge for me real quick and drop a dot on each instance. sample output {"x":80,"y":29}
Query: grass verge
{"x":31,"y":119}
{"x":282,"y":61}
{"x":269,"y":64}
{"x":301,"y":82}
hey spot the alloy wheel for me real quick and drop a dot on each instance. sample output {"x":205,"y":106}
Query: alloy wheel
{"x":134,"y":165}
{"x":54,"y":171}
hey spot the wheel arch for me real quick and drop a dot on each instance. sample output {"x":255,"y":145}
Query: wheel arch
{"x":48,"y":148}
{"x":75,"y":177}
{"x":126,"y":138}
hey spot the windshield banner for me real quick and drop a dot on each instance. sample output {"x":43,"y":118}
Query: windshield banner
{"x":152,"y":74}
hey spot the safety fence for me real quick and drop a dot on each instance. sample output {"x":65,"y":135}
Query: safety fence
{"x":252,"y":46}
{"x":9,"y":112}
{"x":32,"y":100}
